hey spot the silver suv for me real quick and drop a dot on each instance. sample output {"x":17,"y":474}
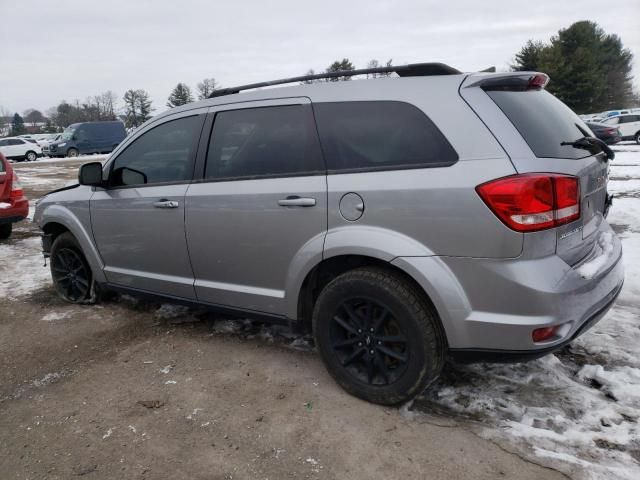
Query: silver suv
{"x":401,"y":220}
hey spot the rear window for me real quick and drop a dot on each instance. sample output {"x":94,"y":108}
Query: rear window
{"x":380,"y":135}
{"x":2,"y":167}
{"x":543,"y":121}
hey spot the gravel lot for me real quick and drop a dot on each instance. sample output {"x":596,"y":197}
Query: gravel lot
{"x":135,"y":389}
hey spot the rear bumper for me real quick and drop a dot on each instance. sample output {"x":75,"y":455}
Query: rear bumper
{"x":490,"y":307}
{"x":17,"y":212}
{"x":508,"y":356}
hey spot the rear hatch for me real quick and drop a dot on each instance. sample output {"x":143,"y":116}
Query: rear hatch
{"x":538,"y":130}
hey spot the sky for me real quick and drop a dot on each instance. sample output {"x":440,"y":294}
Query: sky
{"x":53,"y":50}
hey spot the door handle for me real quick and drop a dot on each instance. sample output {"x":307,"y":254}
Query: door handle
{"x":295,"y":201}
{"x":164,"y":203}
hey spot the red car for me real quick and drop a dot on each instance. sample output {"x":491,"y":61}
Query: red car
{"x":13,"y":204}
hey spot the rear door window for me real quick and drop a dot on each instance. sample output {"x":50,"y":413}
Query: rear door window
{"x":543,"y":121}
{"x":264,"y":142}
{"x":379,"y":135}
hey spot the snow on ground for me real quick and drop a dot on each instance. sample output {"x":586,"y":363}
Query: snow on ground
{"x":85,"y":158}
{"x":21,"y":264}
{"x":579,"y":410}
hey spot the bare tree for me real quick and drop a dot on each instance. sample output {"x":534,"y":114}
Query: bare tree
{"x":206,"y":87}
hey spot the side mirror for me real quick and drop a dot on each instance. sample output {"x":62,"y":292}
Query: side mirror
{"x":90,"y":174}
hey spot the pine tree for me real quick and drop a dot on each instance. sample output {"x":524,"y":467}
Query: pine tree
{"x":528,"y":58}
{"x":206,"y":88}
{"x":144,"y":105}
{"x":181,"y":95}
{"x":137,"y":107}
{"x":340,"y":66}
{"x":590,"y":70}
{"x":17,"y":125}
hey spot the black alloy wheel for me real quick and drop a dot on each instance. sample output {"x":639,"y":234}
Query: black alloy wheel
{"x":368,"y":341}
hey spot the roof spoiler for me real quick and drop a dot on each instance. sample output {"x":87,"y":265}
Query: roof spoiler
{"x":512,"y":81}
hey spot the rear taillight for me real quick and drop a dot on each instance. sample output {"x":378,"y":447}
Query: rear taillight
{"x":16,"y":188}
{"x":538,"y":81}
{"x":611,"y":131}
{"x":533,"y":201}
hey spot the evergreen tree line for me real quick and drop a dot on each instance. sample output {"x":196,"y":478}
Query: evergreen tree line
{"x":590,"y":70}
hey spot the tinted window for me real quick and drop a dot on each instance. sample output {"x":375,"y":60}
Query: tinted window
{"x":4,"y":143}
{"x":380,"y":135}
{"x":2,"y":167}
{"x":543,"y":121}
{"x":15,"y":141}
{"x":269,"y":141}
{"x":629,"y":119}
{"x":163,"y":154}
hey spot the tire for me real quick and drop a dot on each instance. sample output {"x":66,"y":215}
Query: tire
{"x":70,"y":270}
{"x":72,"y":152}
{"x":5,"y":230}
{"x":385,"y":358}
{"x":637,"y":138}
{"x":31,"y":156}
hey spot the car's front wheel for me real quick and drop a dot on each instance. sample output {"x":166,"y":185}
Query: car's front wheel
{"x":5,"y":230}
{"x":70,"y":270}
{"x":31,"y":156}
{"x":380,"y":339}
{"x":638,"y":138}
{"x":72,"y":152}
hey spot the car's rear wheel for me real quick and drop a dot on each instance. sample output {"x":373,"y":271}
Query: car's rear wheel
{"x":638,"y":138}
{"x":380,"y":339}
{"x":5,"y":230}
{"x":72,"y":152}
{"x":70,"y":270}
{"x":31,"y":156}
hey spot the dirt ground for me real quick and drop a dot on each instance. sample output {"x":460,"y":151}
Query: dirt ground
{"x":138,"y":390}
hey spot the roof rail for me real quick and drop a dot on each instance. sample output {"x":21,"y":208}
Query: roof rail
{"x":411,"y":70}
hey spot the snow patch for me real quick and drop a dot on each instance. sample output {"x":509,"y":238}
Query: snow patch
{"x":22,"y":267}
{"x":55,"y":316}
{"x":603,"y":251}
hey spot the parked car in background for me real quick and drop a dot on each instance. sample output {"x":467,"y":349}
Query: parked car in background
{"x":401,"y":220}
{"x":607,"y":133}
{"x":628,"y":124}
{"x":16,"y":148}
{"x":45,"y":143}
{"x":14,"y":207}
{"x":88,"y":137}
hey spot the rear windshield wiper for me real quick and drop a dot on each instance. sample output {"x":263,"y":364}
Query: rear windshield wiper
{"x":593,"y":144}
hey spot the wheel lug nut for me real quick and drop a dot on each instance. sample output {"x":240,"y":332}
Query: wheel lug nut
{"x":371,"y":352}
{"x":371,"y":330}
{"x":379,"y":342}
{"x":359,"y":330}
{"x":359,"y":344}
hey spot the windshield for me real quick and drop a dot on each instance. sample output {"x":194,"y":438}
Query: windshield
{"x":67,"y":134}
{"x":543,"y":121}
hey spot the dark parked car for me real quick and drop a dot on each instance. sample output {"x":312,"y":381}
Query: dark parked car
{"x":606,"y":133}
{"x":88,"y":137}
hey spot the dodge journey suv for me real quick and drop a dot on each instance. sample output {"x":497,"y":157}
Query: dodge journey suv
{"x":401,"y":220}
